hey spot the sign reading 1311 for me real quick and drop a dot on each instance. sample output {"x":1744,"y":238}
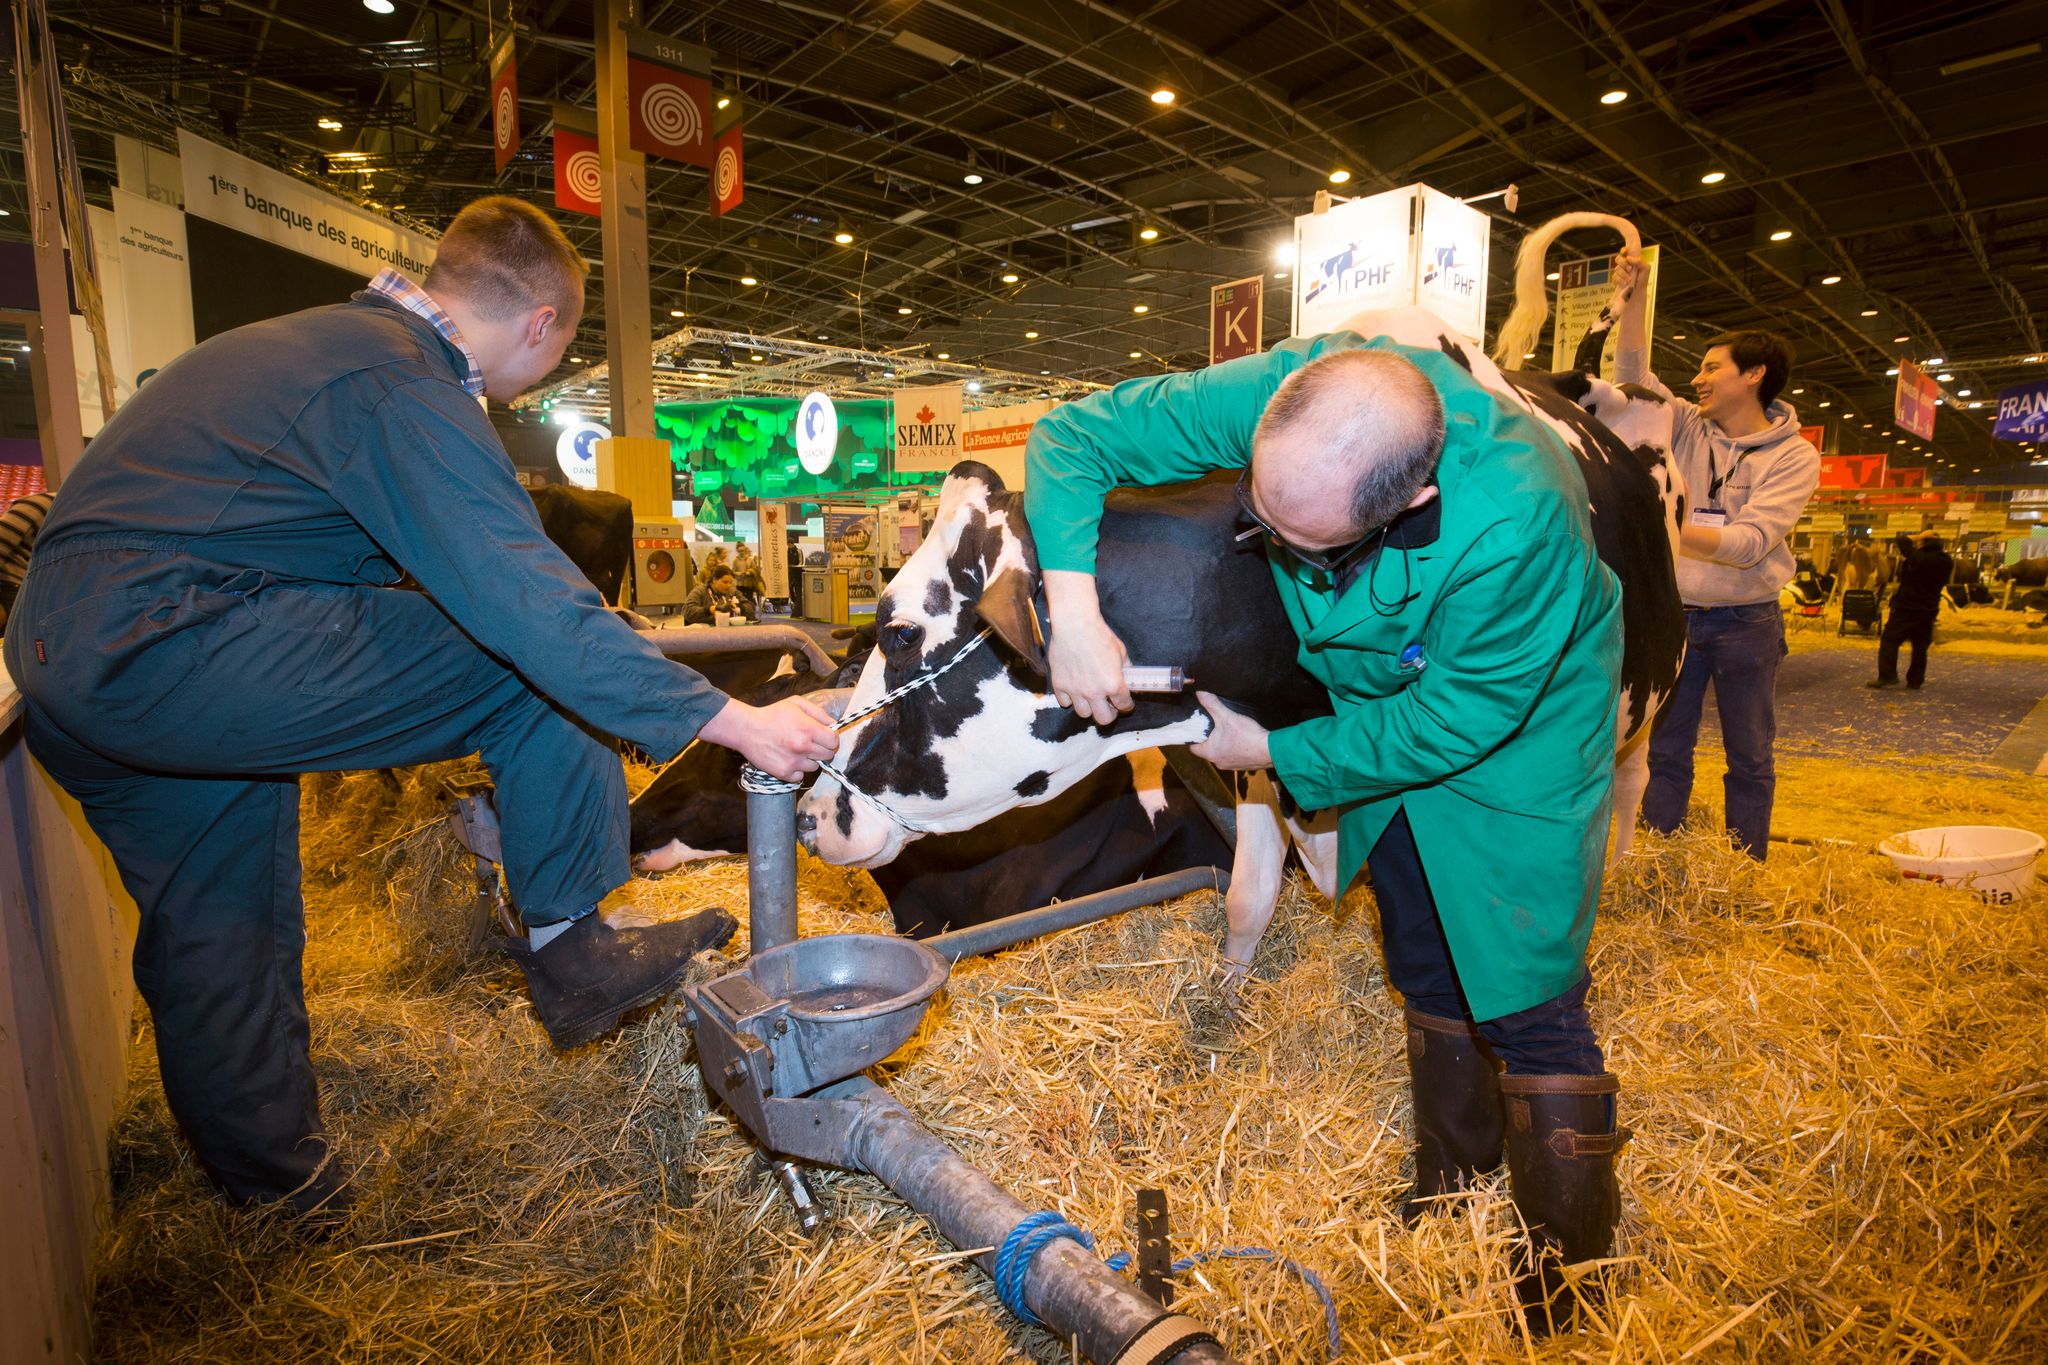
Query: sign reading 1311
{"x":1236,"y":319}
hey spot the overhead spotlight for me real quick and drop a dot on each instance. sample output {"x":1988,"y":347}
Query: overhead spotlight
{"x":1614,"y":96}
{"x":1962,"y":393}
{"x":755,"y":358}
{"x":749,"y":281}
{"x":974,"y":386}
{"x":677,"y":313}
{"x":1528,"y":355}
{"x":1935,"y":360}
{"x":1279,"y":274}
{"x":1141,"y":308}
{"x":1553,"y":275}
{"x":971,"y":178}
{"x":1009,"y":277}
{"x":1031,"y":336}
{"x":1340,"y":176}
{"x":575,"y":360}
{"x":1893,"y":370}
{"x":844,"y":237}
{"x":1137,"y":355}
{"x":945,"y":355}
{"x":1903,"y":338}
{"x":1797,"y":391}
{"x":1827,"y":402}
{"x":380,"y":6}
{"x":1713,"y":177}
{"x":1045,"y":371}
{"x":330,"y":125}
{"x":1868,"y":313}
{"x":1831,"y":279}
{"x":1148,"y":234}
{"x":1283,"y":255}
{"x":903,"y":311}
{"x":1162,"y":96}
{"x":1678,"y":336}
{"x":1782,"y":235}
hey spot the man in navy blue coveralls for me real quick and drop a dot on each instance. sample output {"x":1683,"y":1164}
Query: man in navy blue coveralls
{"x":300,"y":547}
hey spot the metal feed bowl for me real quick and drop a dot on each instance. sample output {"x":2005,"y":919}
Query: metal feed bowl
{"x":853,"y":999}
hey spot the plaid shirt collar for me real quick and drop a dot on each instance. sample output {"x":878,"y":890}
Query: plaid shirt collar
{"x":391,"y":285}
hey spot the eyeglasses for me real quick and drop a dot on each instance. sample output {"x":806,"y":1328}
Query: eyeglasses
{"x":1327,"y":561}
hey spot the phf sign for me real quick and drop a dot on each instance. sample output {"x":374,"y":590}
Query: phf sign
{"x":1406,"y":246}
{"x":1236,"y":319}
{"x":1916,"y":400}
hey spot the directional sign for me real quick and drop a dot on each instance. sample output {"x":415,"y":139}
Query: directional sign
{"x":1236,"y":319}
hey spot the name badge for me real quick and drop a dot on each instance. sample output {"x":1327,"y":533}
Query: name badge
{"x":1709,"y":516}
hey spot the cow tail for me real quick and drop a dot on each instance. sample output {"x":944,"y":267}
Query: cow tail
{"x":1532,"y":299}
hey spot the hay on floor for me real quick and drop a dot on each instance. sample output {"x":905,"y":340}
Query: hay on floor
{"x":1834,"y":1079}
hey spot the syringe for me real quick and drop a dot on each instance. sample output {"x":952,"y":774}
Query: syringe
{"x":1154,"y":677}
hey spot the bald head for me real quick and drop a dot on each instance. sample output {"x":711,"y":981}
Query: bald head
{"x":1345,"y":445}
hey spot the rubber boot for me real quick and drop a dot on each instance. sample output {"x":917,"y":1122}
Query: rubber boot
{"x":1459,"y":1126}
{"x":592,"y":974}
{"x":1562,"y":1141}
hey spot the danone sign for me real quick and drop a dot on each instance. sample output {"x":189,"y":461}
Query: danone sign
{"x":927,"y":429}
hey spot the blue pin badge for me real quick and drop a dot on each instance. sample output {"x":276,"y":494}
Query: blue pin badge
{"x":1412,"y":660}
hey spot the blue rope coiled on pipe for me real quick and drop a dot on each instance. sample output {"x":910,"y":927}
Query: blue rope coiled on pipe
{"x":1040,"y":1230}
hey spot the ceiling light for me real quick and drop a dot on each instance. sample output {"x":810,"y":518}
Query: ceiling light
{"x":1148,"y":234}
{"x":379,"y":6}
{"x":1162,"y":96}
{"x":1962,"y":393}
{"x":945,"y":355}
{"x":1866,"y":426}
{"x":1903,"y":338}
{"x":1045,"y":371}
{"x":6,"y":213}
{"x":1141,"y":308}
{"x":903,"y":311}
{"x":1901,"y":441}
{"x":677,"y":313}
{"x":1010,"y":277}
{"x":823,"y":337}
{"x":974,"y":386}
{"x":1283,"y":255}
{"x":1678,"y":336}
{"x":1528,"y":355}
{"x":749,"y":281}
{"x":1831,"y":279}
{"x":575,"y":360}
{"x":1827,"y":402}
{"x":330,"y":125}
{"x":1944,"y":378}
{"x":1031,"y":336}
{"x":1869,"y":313}
{"x":1614,"y":96}
{"x":1893,"y":370}
{"x":972,"y":178}
{"x":753,"y":357}
{"x":1137,"y":355}
{"x":1799,"y":390}
{"x":1340,"y":176}
{"x":843,"y":237}
{"x":1713,"y":177}
{"x":1935,"y":360}
{"x":1782,"y":235}
{"x":1552,"y":275}
{"x":1279,"y":274}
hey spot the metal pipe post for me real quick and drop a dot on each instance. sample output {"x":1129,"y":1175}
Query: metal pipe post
{"x":1077,"y":1297}
{"x":771,"y":860}
{"x":1025,"y":925}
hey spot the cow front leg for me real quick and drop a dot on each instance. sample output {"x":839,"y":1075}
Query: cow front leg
{"x":1254,"y":874}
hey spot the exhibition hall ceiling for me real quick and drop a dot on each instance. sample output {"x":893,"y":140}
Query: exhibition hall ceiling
{"x":1845,"y":171}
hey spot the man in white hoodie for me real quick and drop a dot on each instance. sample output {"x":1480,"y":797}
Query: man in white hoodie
{"x":1748,"y":473}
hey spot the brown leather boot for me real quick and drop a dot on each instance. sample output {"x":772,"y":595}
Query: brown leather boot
{"x":1458,"y":1121}
{"x":592,"y":974}
{"x":1562,"y":1141}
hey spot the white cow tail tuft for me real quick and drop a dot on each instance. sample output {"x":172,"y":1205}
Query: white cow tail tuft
{"x":1532,"y":300}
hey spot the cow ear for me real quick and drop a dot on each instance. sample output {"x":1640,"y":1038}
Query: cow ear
{"x":1007,"y":609}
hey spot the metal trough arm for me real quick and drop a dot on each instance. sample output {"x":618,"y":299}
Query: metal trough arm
{"x":735,"y":639}
{"x":857,"y":1125}
{"x":1025,"y":925}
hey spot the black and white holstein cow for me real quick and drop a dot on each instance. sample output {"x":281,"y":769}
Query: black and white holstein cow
{"x":967,"y":727}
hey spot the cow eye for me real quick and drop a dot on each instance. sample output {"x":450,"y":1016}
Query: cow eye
{"x":900,"y":637}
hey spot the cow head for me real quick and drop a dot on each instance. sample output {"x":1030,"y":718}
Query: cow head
{"x":983,"y":736}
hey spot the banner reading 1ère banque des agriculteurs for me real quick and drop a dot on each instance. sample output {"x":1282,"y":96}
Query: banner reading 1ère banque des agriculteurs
{"x":227,"y":188}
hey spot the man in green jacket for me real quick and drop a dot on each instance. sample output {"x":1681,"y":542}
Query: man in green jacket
{"x":1431,"y":543}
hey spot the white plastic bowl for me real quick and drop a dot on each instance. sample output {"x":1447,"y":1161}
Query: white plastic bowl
{"x":1990,"y":861}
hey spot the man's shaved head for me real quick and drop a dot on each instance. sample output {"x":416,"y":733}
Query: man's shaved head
{"x":1345,"y":445}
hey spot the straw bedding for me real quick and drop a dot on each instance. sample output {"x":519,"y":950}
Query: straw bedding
{"x":1834,"y":1079}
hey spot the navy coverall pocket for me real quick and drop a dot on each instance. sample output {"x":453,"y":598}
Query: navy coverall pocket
{"x":122,"y":654}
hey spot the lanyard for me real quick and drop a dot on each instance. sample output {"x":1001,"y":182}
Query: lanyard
{"x":1716,"y":479}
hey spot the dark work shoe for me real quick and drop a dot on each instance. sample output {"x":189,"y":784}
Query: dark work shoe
{"x":1882,"y":682}
{"x":592,"y":974}
{"x":1459,"y":1123}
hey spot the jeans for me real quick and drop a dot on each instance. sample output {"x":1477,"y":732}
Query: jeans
{"x":1554,"y":1038}
{"x":1900,"y":627}
{"x":1737,"y":649}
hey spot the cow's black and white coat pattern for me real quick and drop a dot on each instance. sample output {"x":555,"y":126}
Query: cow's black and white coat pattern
{"x":988,"y":735}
